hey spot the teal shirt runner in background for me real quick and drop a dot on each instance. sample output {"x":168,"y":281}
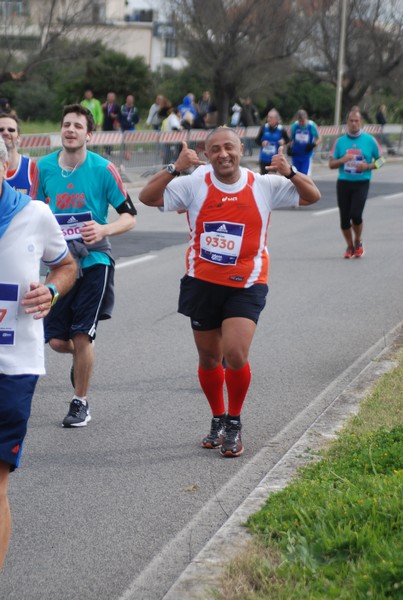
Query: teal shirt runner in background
{"x":363,"y":147}
{"x":93,"y":186}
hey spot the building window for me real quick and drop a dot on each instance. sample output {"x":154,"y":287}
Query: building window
{"x":93,"y":14}
{"x":98,"y":12}
{"x":171,"y":49}
{"x":14,"y":8}
{"x":142,"y":16}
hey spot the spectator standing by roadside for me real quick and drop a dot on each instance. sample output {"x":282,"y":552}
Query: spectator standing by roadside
{"x":227,"y":263}
{"x":170,"y":122}
{"x":129,"y":116}
{"x":235,"y":117}
{"x":111,"y":116}
{"x":249,"y":118}
{"x":381,"y":120}
{"x":381,"y":115}
{"x":79,"y":186}
{"x":304,"y":138}
{"x":249,"y":113}
{"x":271,"y":136}
{"x":188,"y":106}
{"x":207,"y":110}
{"x":111,"y":112}
{"x":95,"y":108}
{"x":170,"y":119}
{"x":24,"y":302}
{"x":187,"y":121}
{"x":21,"y":169}
{"x":154,"y":118}
{"x":205,"y":103}
{"x":356,"y":154}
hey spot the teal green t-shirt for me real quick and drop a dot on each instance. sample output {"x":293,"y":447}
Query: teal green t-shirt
{"x":92,"y":187}
{"x":363,"y":147}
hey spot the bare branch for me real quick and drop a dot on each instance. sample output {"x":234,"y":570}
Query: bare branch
{"x":48,"y":22}
{"x":374,"y":45}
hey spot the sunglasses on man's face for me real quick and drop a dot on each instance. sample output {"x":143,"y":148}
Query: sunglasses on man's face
{"x":9,"y":129}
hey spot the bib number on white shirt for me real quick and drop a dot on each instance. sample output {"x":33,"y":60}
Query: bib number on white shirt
{"x":8,"y":313}
{"x":221,"y":242}
{"x":351,"y":165}
{"x":269,"y":150}
{"x":302,"y":137}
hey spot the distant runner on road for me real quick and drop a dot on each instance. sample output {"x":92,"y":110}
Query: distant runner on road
{"x":356,"y":154}
{"x":21,"y":169}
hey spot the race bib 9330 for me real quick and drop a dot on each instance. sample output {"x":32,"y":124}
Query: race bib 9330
{"x":221,"y":242}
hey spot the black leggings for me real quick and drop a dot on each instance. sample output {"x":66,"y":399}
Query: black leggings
{"x":351,"y":198}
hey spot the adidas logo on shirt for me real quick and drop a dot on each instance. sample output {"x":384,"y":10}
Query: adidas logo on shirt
{"x":72,"y":220}
{"x":222,"y":229}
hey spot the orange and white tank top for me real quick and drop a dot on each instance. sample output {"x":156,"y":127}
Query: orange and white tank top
{"x":228,"y":237}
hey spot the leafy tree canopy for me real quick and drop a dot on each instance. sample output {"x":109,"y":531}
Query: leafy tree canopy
{"x":53,"y":85}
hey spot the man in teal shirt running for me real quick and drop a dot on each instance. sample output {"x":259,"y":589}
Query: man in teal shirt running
{"x":355,"y":154}
{"x":79,"y":185}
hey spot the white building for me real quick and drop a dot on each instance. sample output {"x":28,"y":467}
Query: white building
{"x":134,"y":27}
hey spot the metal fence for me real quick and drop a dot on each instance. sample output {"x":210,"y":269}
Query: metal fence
{"x":147,"y":151}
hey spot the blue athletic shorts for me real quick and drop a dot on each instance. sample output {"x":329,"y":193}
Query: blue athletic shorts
{"x":302,"y":163}
{"x":16,"y":392}
{"x":209,"y":304}
{"x":79,"y":310}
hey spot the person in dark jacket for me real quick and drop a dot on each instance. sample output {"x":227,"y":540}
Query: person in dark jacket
{"x":249,"y":118}
{"x":129,"y":117}
{"x":111,"y":112}
{"x":381,"y":120}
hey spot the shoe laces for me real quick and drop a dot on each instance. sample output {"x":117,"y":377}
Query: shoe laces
{"x":216,"y":425}
{"x":232,"y":431}
{"x":75,"y":407}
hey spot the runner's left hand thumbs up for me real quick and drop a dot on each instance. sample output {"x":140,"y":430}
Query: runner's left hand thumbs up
{"x":279,"y":163}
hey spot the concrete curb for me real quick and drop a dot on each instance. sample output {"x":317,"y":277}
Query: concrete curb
{"x":205,"y":570}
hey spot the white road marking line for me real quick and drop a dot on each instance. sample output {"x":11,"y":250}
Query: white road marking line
{"x":135,"y":261}
{"x":320,"y":213}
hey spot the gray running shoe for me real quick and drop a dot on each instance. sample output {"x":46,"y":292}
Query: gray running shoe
{"x":232,"y":444}
{"x":78,"y":415}
{"x":216,"y":436}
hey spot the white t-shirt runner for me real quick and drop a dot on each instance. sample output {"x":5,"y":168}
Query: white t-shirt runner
{"x":33,"y":234}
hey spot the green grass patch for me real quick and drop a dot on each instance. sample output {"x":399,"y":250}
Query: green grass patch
{"x":336,"y":530}
{"x":54,"y":126}
{"x":39,"y":127}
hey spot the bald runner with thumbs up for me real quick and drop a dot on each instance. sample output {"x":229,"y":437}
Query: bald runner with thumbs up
{"x":225,"y":285}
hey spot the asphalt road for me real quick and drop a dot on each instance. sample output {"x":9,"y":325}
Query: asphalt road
{"x":116,"y":510}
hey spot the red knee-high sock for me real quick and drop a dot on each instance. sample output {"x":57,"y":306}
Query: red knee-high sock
{"x":212,"y":384}
{"x":237,"y":382}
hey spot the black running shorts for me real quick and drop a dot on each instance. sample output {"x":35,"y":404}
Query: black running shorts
{"x":209,"y":304}
{"x":79,"y":310}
